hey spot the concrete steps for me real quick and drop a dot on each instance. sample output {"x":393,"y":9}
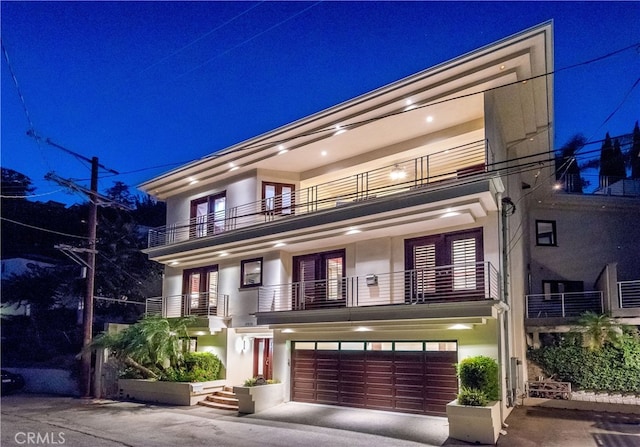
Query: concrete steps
{"x":223,"y":399}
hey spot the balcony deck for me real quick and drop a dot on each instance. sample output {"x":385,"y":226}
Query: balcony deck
{"x":432,"y":293}
{"x":204,"y":305}
{"x":432,"y":171}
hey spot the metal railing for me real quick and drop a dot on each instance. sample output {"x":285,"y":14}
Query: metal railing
{"x":204,"y":304}
{"x":452,"y":164}
{"x":459,"y":282}
{"x":549,"y":389}
{"x":563,"y":305}
{"x":629,"y":294}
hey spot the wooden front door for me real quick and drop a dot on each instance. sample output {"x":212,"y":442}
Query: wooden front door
{"x":262,"y":358}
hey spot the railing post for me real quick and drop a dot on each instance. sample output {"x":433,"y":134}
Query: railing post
{"x":620,"y":302}
{"x":526,"y":303}
{"x":562,"y":302}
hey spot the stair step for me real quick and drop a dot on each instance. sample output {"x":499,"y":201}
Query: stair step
{"x":217,"y":405}
{"x":222,"y":399}
{"x":225,"y":393}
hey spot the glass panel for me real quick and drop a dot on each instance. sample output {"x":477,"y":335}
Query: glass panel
{"x":327,"y":346}
{"x":441,"y":346}
{"x":408,"y":346}
{"x":252,"y":273}
{"x":269,"y":194}
{"x":212,"y":288}
{"x":201,"y":219}
{"x":379,"y":346}
{"x":286,"y":199}
{"x":219,"y":214}
{"x":302,"y":345}
{"x":352,"y":346}
{"x":545,"y":232}
{"x":194,"y":289}
{"x":334,"y":278}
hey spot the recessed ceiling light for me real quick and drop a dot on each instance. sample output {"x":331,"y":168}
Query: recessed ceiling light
{"x":287,"y":331}
{"x":193,"y":181}
{"x":231,"y":164}
{"x":353,"y":230}
{"x":323,"y":153}
{"x":429,"y":119}
{"x":460,"y":326}
{"x":362,"y":329}
{"x":450,"y":214}
{"x":279,"y":244}
{"x":173,"y":263}
{"x":339,"y":130}
{"x":502,"y":67}
{"x":223,"y":253}
{"x":234,"y":168}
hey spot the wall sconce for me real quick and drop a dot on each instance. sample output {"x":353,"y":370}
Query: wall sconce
{"x":398,"y":173}
{"x":372,"y":280}
{"x":246,"y":344}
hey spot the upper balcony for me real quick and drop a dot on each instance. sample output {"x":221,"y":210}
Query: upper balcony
{"x":446,"y":168}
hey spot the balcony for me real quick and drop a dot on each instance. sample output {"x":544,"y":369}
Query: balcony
{"x":194,"y":304}
{"x":386,"y":294}
{"x":554,"y":306}
{"x":436,"y":170}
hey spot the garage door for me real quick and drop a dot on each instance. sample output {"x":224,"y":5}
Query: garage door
{"x":412,"y":377}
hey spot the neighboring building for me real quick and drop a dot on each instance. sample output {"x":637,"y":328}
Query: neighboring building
{"x":584,"y":257}
{"x":357,"y":254}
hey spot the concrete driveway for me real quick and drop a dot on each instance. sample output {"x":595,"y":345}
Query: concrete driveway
{"x":46,"y":420}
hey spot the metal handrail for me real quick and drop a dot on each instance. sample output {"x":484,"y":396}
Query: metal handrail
{"x":629,"y":294}
{"x":457,"y":282}
{"x":451,"y":164}
{"x":563,"y":305}
{"x":204,"y":304}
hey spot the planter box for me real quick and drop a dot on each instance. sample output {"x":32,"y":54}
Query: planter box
{"x":474,"y":424}
{"x":173,"y":393}
{"x":252,"y":399}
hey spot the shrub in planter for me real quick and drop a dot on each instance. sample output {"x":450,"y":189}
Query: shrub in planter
{"x":478,"y":375}
{"x":194,"y":367}
{"x":472,"y":397}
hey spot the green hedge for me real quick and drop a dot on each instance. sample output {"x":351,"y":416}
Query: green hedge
{"x":479,"y":381}
{"x":610,"y":369}
{"x":195,"y":367}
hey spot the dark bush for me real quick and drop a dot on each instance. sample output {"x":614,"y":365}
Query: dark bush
{"x":195,"y":367}
{"x":480,"y":373}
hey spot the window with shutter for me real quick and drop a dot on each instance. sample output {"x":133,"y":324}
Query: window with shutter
{"x":463,"y":258}
{"x":424,"y":262}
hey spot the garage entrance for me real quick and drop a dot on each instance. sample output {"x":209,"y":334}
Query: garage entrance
{"x":412,"y":377}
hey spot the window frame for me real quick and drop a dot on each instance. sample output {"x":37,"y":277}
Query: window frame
{"x":243,"y":263}
{"x":541,"y":236}
{"x":277,"y":208}
{"x":207,"y":227}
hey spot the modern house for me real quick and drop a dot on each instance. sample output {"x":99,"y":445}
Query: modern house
{"x":358,"y":253}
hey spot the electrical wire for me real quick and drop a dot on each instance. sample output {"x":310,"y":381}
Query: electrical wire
{"x":30,"y":196}
{"x":43,"y":229}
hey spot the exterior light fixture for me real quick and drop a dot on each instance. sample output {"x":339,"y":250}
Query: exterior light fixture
{"x":339,"y":130}
{"x":282,"y":149}
{"x":362,"y":329}
{"x":557,"y":186}
{"x":279,"y":244}
{"x":460,"y":326}
{"x":323,"y":153}
{"x":353,"y":230}
{"x":398,"y":173}
{"x":234,"y":168}
{"x":429,"y":119}
{"x":172,"y":263}
{"x":287,"y":331}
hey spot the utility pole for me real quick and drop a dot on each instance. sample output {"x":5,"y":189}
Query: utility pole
{"x":87,"y":310}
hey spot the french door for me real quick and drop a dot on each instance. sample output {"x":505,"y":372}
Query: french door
{"x":446,"y":265}
{"x":262,"y":357}
{"x":207,"y":215}
{"x":200,"y":291}
{"x":319,"y":280}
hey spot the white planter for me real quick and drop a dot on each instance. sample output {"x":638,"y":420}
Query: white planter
{"x":252,"y":399}
{"x":474,"y":424}
{"x":173,"y":393}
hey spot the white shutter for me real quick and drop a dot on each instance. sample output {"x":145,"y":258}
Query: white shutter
{"x":463,"y":256}
{"x":424,"y":262}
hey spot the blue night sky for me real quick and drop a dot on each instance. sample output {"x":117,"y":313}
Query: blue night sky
{"x":148,"y":86}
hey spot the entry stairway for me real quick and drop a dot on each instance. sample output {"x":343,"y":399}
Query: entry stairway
{"x":223,"y":399}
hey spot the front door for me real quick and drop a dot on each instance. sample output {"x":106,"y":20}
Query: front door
{"x":445,"y":265}
{"x":319,"y":280}
{"x":262,"y":358}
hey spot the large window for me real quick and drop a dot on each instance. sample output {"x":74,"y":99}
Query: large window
{"x":546,"y":233}
{"x":277,"y":198}
{"x":200,"y":289}
{"x":251,"y":273}
{"x":319,"y":279}
{"x":208,"y":215}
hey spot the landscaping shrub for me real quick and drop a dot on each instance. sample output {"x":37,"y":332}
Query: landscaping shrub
{"x":472,"y":397}
{"x":479,"y":375}
{"x":195,"y":367}
{"x":612,"y":368}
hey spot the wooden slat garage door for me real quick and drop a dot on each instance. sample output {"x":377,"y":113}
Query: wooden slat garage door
{"x":395,"y":380}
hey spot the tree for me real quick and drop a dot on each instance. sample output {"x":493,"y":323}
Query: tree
{"x":151,"y":346}
{"x":120,"y":193}
{"x":611,"y":162}
{"x":15,"y":184}
{"x":567,"y":168}
{"x":634,"y":154}
{"x":597,"y":330}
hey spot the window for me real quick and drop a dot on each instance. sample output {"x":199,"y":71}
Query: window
{"x":553,"y":289}
{"x":207,"y":215}
{"x":277,"y":198}
{"x":319,"y":280}
{"x":251,"y":273}
{"x":546,"y":233}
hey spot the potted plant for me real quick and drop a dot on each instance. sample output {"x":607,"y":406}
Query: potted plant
{"x":258,"y":394}
{"x":475,"y":415}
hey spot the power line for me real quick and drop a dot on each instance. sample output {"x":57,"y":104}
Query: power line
{"x":42,"y":229}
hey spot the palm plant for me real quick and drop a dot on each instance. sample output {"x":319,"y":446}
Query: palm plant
{"x":150,"y":346}
{"x":598,"y":329}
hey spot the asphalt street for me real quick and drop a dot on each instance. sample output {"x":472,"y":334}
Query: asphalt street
{"x":28,"y":419}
